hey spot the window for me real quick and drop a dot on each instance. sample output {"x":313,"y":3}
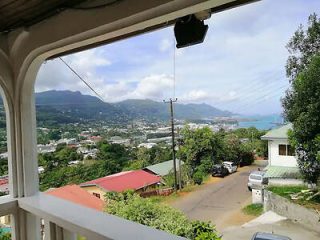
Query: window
{"x":286,"y":150}
{"x":96,"y":195}
{"x":255,"y":177}
{"x":282,"y":150}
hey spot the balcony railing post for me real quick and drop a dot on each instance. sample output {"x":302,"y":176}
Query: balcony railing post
{"x":49,"y":230}
{"x":67,"y":235}
{"x":54,"y":232}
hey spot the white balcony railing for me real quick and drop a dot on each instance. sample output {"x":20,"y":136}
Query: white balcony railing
{"x":63,"y":220}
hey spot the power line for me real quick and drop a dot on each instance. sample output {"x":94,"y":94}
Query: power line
{"x":253,"y":96}
{"x":81,"y":78}
{"x":248,"y":95}
{"x":260,"y":100}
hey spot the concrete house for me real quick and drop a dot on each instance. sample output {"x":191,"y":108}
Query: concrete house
{"x":282,"y":163}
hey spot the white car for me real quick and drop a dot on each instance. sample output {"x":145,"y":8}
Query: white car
{"x":232,"y":167}
{"x":256,"y":180}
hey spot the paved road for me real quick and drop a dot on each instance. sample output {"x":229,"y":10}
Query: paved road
{"x":216,"y":201}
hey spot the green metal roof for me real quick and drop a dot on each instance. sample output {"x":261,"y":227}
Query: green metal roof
{"x":282,"y":172}
{"x":164,"y":168}
{"x":278,"y":133}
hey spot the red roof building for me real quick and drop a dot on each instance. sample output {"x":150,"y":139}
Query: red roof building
{"x":76,"y":194}
{"x":4,"y":184}
{"x":129,"y":180}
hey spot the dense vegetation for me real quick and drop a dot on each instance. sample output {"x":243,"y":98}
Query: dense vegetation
{"x":131,"y":206}
{"x":199,"y":149}
{"x":111,"y":158}
{"x":302,"y":101}
{"x":3,"y":166}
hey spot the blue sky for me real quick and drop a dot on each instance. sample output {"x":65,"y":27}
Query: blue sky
{"x":240,"y":67}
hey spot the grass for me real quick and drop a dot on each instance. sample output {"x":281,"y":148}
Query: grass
{"x":255,"y":209}
{"x":286,"y":191}
{"x":173,"y":196}
{"x":187,"y":189}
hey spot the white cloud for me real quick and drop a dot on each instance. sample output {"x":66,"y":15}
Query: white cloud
{"x":196,"y":96}
{"x":154,"y":87}
{"x":165,"y":45}
{"x":211,"y":98}
{"x":241,"y":59}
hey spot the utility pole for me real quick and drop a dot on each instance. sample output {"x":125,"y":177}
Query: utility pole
{"x":179,"y":161}
{"x":173,"y":142}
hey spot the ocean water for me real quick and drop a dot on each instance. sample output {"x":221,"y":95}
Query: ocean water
{"x":262,"y":122}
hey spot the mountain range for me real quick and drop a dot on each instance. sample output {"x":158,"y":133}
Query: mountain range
{"x":66,"y":106}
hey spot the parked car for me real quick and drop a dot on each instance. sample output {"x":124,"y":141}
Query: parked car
{"x":219,"y":170}
{"x":232,"y":167}
{"x":256,"y":180}
{"x":268,"y":236}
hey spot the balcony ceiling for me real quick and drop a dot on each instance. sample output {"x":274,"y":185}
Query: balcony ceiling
{"x":23,"y":13}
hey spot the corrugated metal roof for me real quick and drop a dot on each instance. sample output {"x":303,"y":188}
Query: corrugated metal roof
{"x":278,"y":133}
{"x":164,"y":168}
{"x":282,"y":172}
{"x":77,"y":195}
{"x":120,"y":182}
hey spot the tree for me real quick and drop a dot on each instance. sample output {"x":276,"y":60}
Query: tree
{"x":200,"y":149}
{"x":163,"y":217}
{"x":302,"y":108}
{"x":304,"y":44}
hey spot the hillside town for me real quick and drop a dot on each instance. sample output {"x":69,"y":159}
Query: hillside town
{"x":168,"y":120}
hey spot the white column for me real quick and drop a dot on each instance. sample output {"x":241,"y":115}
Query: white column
{"x":16,"y":83}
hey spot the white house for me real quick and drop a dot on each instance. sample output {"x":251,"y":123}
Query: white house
{"x":282,"y":163}
{"x":280,"y":153}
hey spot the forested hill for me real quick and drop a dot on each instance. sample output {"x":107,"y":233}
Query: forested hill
{"x":67,"y":106}
{"x":158,"y":110}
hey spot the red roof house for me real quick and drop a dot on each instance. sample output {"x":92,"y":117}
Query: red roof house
{"x":129,"y":180}
{"x":76,"y":194}
{"x":4,"y":184}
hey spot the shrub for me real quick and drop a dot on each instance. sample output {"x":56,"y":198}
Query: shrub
{"x":198,"y":177}
{"x":204,"y":231}
{"x":144,"y":211}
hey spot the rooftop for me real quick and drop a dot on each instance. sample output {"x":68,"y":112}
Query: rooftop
{"x":282,"y":172}
{"x":76,"y":194}
{"x":129,"y":180}
{"x":164,"y":168}
{"x":278,"y":133}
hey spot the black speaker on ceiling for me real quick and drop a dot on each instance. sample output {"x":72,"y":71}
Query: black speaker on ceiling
{"x":189,"y":30}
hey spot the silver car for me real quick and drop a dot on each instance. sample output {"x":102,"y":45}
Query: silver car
{"x":268,"y":236}
{"x":256,"y":180}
